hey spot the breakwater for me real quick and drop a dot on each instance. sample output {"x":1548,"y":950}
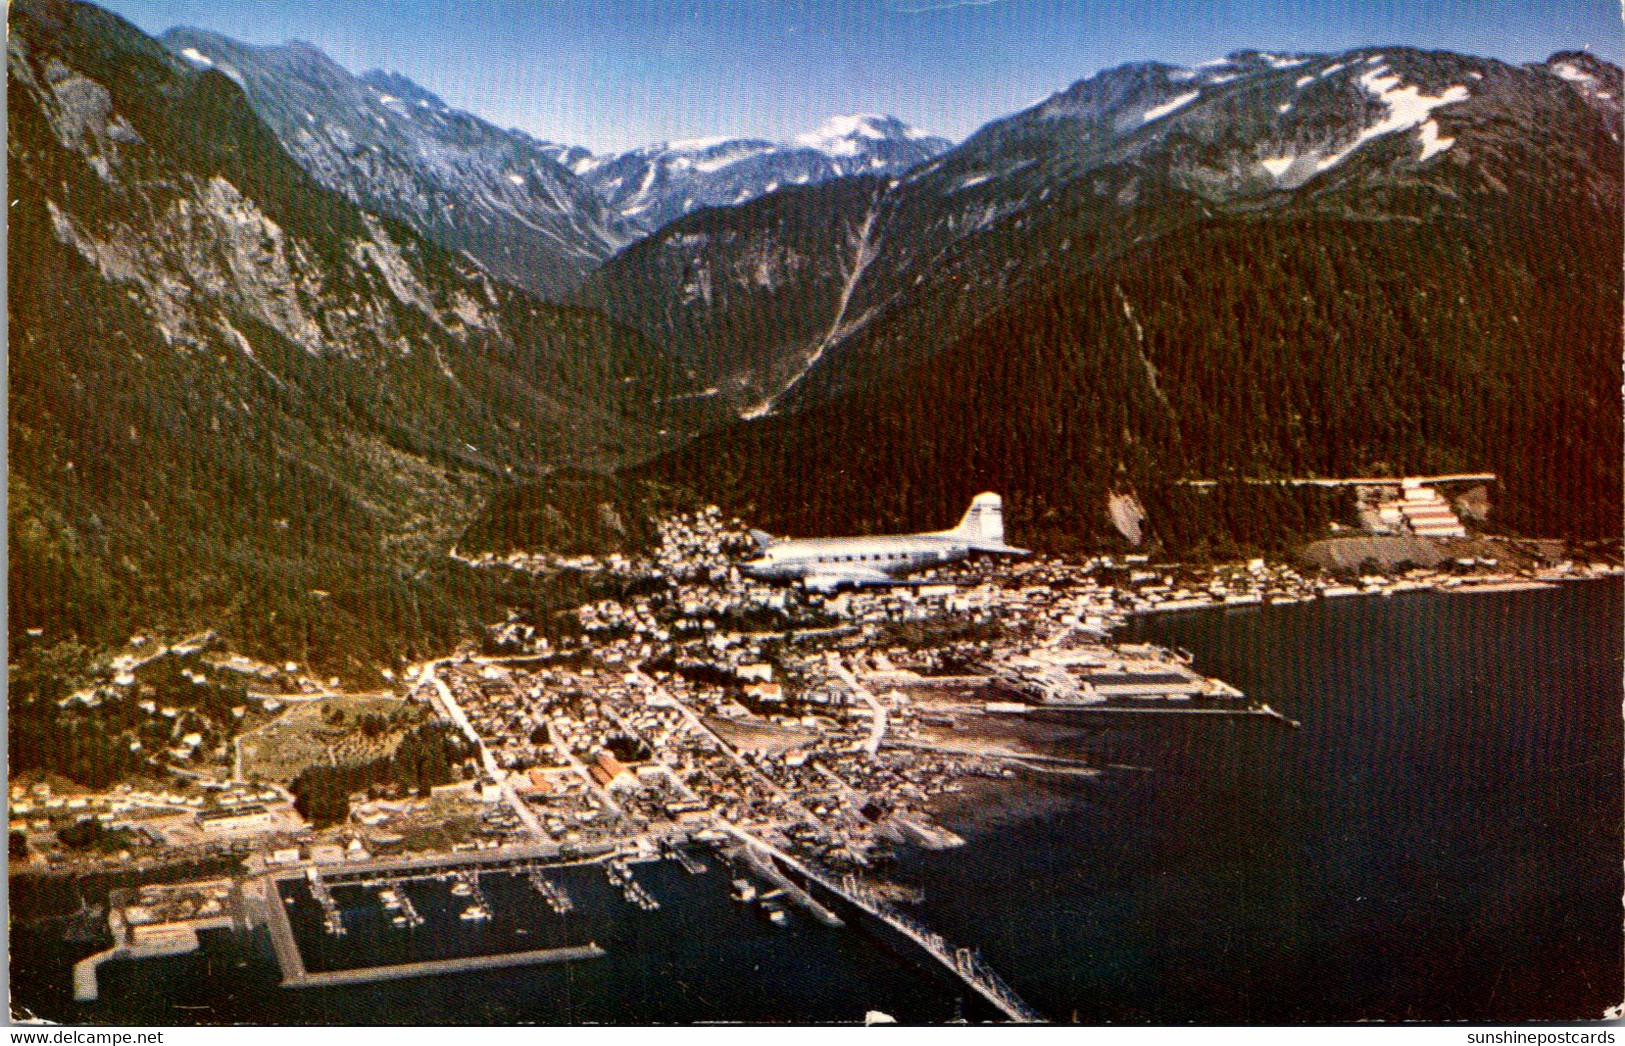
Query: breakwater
{"x":428,"y":968}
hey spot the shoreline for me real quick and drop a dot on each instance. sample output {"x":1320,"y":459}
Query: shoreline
{"x":1462,"y":586}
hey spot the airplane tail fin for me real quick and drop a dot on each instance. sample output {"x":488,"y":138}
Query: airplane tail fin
{"x":762,"y":538}
{"x":983,"y":525}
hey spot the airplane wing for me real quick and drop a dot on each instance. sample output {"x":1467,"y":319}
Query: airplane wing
{"x":854,"y":577}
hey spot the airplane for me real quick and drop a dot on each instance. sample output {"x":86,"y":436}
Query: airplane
{"x":828,"y":564}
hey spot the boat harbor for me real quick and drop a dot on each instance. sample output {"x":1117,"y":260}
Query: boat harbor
{"x":390,"y":898}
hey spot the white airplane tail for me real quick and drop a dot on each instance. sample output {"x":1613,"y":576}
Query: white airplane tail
{"x":983,"y":525}
{"x":984,"y":520}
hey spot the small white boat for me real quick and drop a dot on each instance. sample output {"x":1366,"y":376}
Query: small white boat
{"x":461,"y":889}
{"x":475,"y":913}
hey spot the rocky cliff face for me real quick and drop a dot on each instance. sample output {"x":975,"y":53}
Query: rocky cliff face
{"x":232,"y":387}
{"x":396,"y":149}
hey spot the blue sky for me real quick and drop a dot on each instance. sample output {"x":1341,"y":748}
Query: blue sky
{"x":611,"y":74}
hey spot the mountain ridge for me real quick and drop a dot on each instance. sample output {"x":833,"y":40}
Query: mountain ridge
{"x":652,"y":186}
{"x":539,"y":214}
{"x":1113,"y":158}
{"x":396,"y":148}
{"x":240,"y":402}
{"x":1066,"y":199}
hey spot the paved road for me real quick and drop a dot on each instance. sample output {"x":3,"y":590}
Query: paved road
{"x":699,"y":724}
{"x":455,"y":713}
{"x":877,"y":727}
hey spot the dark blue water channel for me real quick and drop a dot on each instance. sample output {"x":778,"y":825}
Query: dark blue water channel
{"x":700,"y":957}
{"x":1440,"y":841}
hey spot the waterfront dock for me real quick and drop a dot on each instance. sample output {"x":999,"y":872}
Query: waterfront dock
{"x":85,"y":983}
{"x":433,"y":967}
{"x":963,"y":963}
{"x":175,"y":939}
{"x":1264,"y":711}
{"x":686,"y":860}
{"x":332,"y":919}
{"x":555,"y":895}
{"x":428,"y":866}
{"x":295,"y":975}
{"x":288,"y":959}
{"x":762,"y":864}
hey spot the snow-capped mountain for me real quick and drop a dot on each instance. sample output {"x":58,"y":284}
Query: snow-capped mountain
{"x":509,"y":200}
{"x":656,"y":184}
{"x":1120,"y":157}
{"x":539,"y":214}
{"x":1164,"y":271}
{"x":866,"y":142}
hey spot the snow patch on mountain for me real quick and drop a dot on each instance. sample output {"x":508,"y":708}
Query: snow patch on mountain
{"x":656,"y":184}
{"x":1407,"y":107}
{"x":1177,"y":102}
{"x":1432,"y":142}
{"x":845,"y":135}
{"x":697,"y":145}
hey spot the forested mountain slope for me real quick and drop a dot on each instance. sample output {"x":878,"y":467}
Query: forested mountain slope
{"x":1382,"y":296}
{"x":239,"y":401}
{"x":1131,"y":155}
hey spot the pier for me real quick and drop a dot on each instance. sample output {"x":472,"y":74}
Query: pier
{"x":295,"y":975}
{"x":433,"y":967}
{"x":283,"y":943}
{"x":397,"y":900}
{"x":86,"y":988}
{"x":433,"y":866}
{"x":686,"y":859}
{"x":963,"y":963}
{"x":1265,"y":711}
{"x":555,"y":896}
{"x":332,"y":921}
{"x":762,"y":864}
{"x":619,"y":874}
{"x":467,"y":885}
